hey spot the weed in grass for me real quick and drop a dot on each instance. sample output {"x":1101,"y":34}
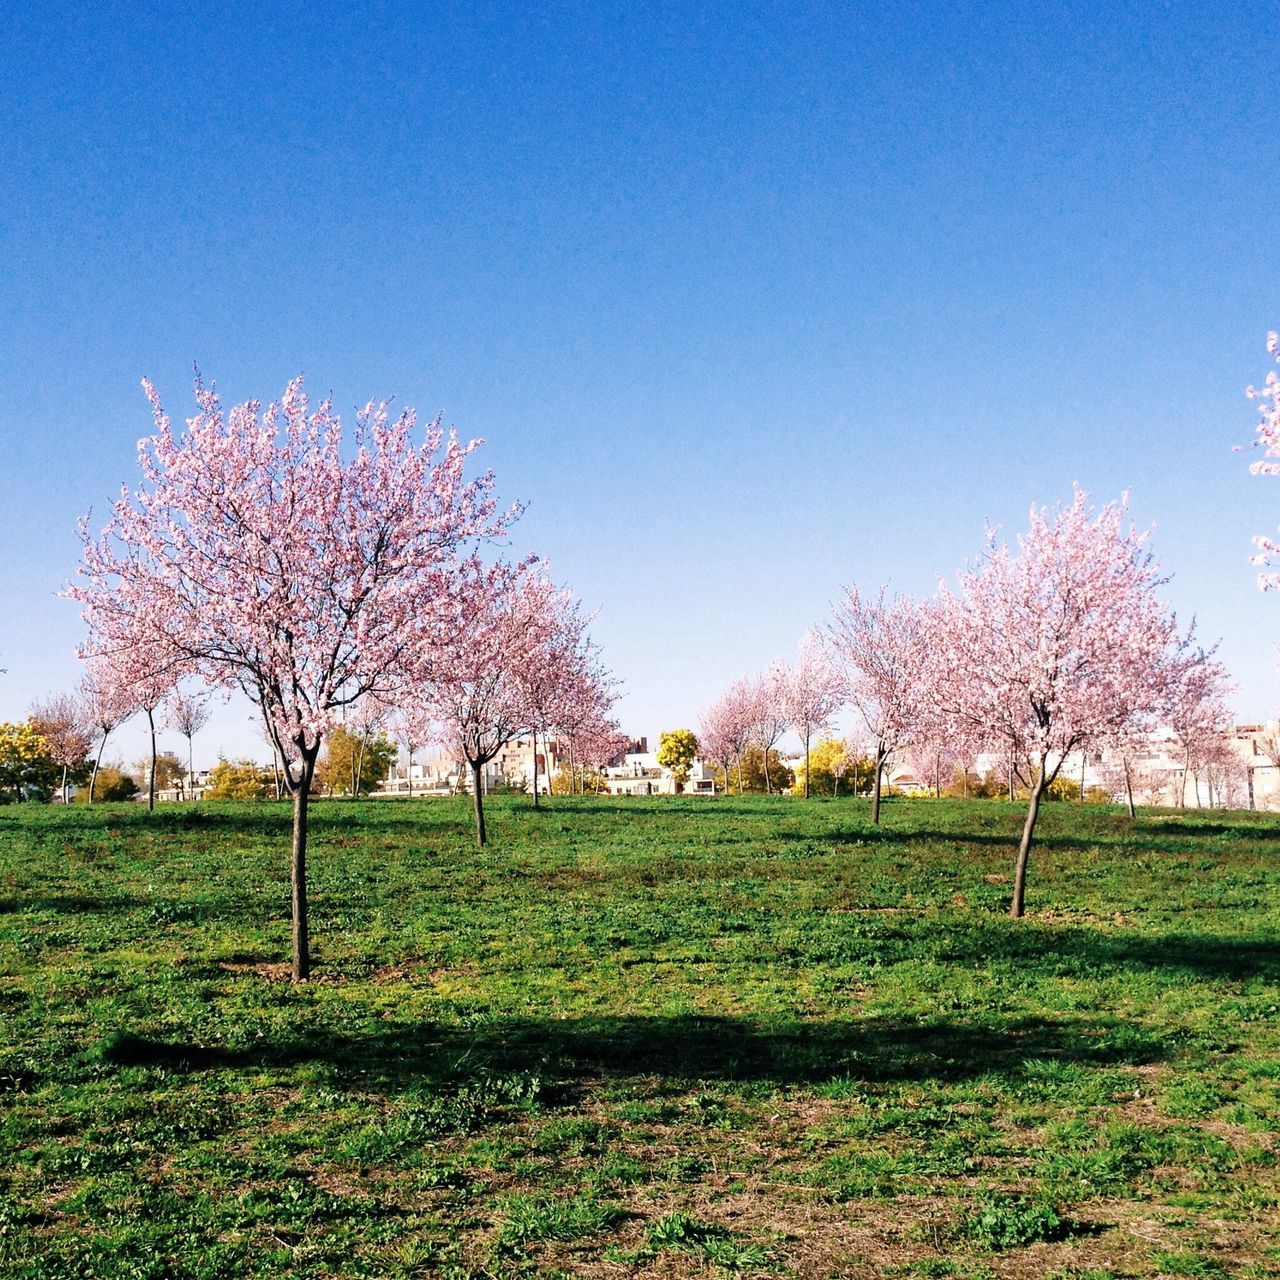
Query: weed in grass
{"x":1009,"y":1221}
{"x":718,"y":1246}
{"x":533,"y":1218}
{"x":1186,"y":1264}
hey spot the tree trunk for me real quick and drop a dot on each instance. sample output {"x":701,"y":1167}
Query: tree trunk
{"x":1128,"y":790}
{"x":535,"y":768}
{"x":768,"y":786}
{"x":739,"y":772}
{"x":966,"y":782}
{"x":1248,"y":774}
{"x":477,"y":793}
{"x":875,"y":786}
{"x":298,"y":880}
{"x":1083,"y":761}
{"x":1182,"y":795}
{"x":410,"y":775}
{"x":151,"y":785}
{"x":359,"y":768}
{"x":1024,"y":848}
{"x":1010,"y":779}
{"x":835,"y":786}
{"x":97,"y":760}
{"x":937,"y":777}
{"x":64,"y":784}
{"x":191,"y":766}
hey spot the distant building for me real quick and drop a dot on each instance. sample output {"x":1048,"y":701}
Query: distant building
{"x":638,"y":773}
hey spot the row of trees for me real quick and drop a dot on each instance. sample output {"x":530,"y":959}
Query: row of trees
{"x":1052,"y":647}
{"x":328,"y":574}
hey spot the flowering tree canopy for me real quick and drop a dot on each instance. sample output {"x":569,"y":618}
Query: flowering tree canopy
{"x":1056,"y":646}
{"x":882,"y":645}
{"x":261,"y":554}
{"x":814,"y":693}
{"x":728,"y":726}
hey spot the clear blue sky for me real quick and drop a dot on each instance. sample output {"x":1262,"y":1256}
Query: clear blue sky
{"x":748,"y":301}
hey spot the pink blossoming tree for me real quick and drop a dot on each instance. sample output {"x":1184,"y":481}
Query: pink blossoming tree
{"x":1053,"y":647}
{"x":770,"y":714}
{"x":728,"y":726}
{"x":271,"y":558}
{"x":814,"y":693}
{"x":187,"y":713}
{"x":883,"y":647}
{"x":478,"y":698}
{"x":62,"y":720}
{"x":107,"y":705}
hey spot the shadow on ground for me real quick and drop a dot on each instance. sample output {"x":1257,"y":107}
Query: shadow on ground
{"x":684,"y":1049}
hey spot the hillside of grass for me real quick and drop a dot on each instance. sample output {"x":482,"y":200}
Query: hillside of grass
{"x":639,"y":1038}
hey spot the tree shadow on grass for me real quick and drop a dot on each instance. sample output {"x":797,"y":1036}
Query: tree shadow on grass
{"x":680,"y":1050}
{"x":976,"y":941}
{"x":1161,"y":837}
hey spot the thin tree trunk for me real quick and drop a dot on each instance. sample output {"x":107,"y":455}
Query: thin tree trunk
{"x":191,"y":766}
{"x":1024,"y":848}
{"x":768,"y":787}
{"x":806,"y":766}
{"x":1128,"y":790}
{"x":535,"y":768}
{"x":411,"y":774}
{"x":151,"y":786}
{"x":97,"y":760}
{"x":359,"y":767}
{"x":875,"y":786}
{"x":966,"y":782}
{"x":1182,"y":795}
{"x":739,"y":772}
{"x":1083,"y":760}
{"x":835,"y":786}
{"x":1248,"y":774}
{"x":477,"y":793}
{"x":1011,"y":779}
{"x":937,"y":777}
{"x":298,"y":880}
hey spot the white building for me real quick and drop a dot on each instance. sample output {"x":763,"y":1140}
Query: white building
{"x":639,"y":774}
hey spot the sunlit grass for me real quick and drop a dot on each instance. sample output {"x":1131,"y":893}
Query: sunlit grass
{"x":638,"y":1037}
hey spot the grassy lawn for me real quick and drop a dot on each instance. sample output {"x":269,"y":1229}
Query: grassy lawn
{"x":639,"y":1038}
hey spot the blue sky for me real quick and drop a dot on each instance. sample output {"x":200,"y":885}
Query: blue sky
{"x":749,"y":302}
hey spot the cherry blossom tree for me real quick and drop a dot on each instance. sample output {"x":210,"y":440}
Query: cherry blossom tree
{"x":62,"y":721}
{"x":593,"y":740}
{"x":107,"y":705}
{"x":882,"y":645}
{"x":814,"y":693}
{"x":1268,"y":440}
{"x":770,"y":714}
{"x":1050,"y":649}
{"x":728,"y":726}
{"x":560,"y":679}
{"x":1195,"y":708}
{"x":187,"y":713}
{"x":411,"y":725}
{"x":478,"y":698}
{"x":270,"y":559}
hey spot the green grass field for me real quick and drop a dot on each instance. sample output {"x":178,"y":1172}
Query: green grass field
{"x":639,"y":1038}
